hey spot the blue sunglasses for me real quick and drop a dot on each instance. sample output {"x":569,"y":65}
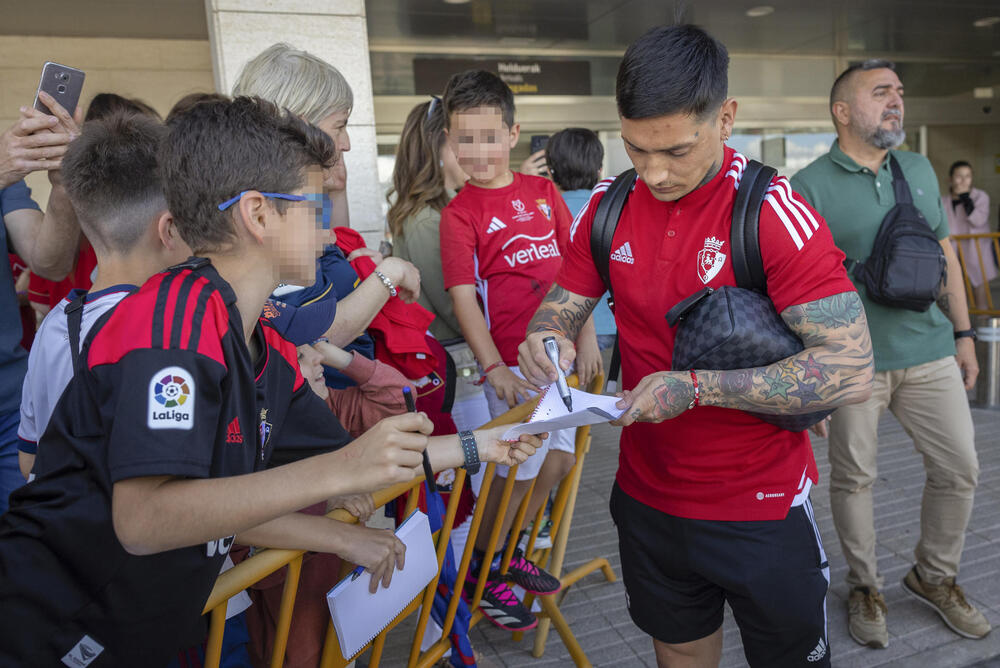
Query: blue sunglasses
{"x":324,"y":202}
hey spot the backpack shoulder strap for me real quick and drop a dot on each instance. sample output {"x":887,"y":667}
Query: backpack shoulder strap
{"x":602,"y":230}
{"x":748,"y":265}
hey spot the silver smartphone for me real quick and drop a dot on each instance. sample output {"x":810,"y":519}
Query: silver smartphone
{"x":62,"y":82}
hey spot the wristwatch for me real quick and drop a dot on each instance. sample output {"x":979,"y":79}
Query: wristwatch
{"x":970,"y":333}
{"x":470,"y":450}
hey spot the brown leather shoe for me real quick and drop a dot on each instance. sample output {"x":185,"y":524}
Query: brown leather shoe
{"x":948,"y":600}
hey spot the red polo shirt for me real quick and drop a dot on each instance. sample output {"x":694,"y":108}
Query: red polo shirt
{"x":707,"y":463}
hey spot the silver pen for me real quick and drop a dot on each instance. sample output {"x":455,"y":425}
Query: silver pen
{"x":552,"y":350}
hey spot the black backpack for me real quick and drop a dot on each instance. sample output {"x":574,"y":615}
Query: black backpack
{"x":729,"y":328}
{"x":907,"y":267}
{"x":747,"y":262}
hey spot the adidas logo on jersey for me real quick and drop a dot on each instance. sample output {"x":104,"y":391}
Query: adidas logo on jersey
{"x":818,"y":653}
{"x":623,"y":254}
{"x":233,"y":434}
{"x":495,"y":225}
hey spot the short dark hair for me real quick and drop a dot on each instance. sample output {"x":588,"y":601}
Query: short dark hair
{"x":188,"y":101}
{"x":840,"y":87}
{"x":106,"y":104}
{"x":574,"y":157}
{"x":955,"y":165}
{"x":218,"y":149}
{"x":110,"y":173}
{"x":478,"y":88}
{"x":670,"y":70}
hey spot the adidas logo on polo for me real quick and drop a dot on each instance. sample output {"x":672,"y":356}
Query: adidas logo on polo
{"x":495,"y":225}
{"x":233,"y":433}
{"x":623,"y":254}
{"x":818,"y":653}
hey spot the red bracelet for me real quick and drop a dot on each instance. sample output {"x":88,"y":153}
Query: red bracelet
{"x":482,"y":379}
{"x":697,"y":393}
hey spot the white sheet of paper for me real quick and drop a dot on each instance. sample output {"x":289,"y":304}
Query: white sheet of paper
{"x":551,"y":412}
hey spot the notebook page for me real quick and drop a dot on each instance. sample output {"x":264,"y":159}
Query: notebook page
{"x":359,"y":616}
{"x":551,"y":413}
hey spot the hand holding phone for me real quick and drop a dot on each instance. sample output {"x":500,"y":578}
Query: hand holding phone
{"x":63,"y":83}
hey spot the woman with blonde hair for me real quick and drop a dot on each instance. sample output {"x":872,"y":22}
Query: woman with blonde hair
{"x":424,"y":180}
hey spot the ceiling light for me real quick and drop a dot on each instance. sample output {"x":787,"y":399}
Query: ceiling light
{"x":456,"y":2}
{"x":986,"y":21}
{"x":762,"y":10}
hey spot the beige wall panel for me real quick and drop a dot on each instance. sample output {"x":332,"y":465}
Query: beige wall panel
{"x":157,"y":71}
{"x":333,"y":31}
{"x":326,"y":7}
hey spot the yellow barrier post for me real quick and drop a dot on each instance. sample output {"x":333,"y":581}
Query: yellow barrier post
{"x":266,"y":562}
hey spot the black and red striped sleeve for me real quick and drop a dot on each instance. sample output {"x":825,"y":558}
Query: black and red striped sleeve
{"x":160,"y":368}
{"x":309,"y":427}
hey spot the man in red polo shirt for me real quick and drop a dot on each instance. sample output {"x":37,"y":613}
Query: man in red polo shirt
{"x":711,"y":503}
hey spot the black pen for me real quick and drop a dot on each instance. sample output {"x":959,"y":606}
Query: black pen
{"x":428,"y":471}
{"x":552,"y":350}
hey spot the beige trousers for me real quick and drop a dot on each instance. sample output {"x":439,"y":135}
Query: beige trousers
{"x":930,"y":403}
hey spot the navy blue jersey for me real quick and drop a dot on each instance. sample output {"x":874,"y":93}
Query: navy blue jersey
{"x":168,"y":388}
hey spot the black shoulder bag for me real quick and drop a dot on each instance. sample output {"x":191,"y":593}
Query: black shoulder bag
{"x":907,"y":267}
{"x":732,"y":327}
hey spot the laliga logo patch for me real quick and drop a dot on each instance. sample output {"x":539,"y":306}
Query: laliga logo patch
{"x":171,"y":399}
{"x":710,"y":259}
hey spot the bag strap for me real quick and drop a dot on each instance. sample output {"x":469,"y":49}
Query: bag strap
{"x":602,"y":232}
{"x":74,"y":324}
{"x":602,"y":228}
{"x":748,"y":265}
{"x":899,"y":185}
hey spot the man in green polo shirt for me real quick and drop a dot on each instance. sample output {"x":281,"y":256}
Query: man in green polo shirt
{"x":924,"y":362}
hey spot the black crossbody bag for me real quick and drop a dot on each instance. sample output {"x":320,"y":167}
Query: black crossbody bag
{"x":906,"y":268}
{"x":728,"y":328}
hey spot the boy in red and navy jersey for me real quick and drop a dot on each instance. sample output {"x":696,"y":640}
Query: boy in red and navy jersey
{"x":157,"y":453}
{"x":711,"y":503}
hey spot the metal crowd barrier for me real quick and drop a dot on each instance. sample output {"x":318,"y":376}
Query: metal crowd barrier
{"x":265,"y":562}
{"x":983,"y":258}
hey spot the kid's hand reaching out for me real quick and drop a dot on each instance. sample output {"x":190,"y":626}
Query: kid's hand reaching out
{"x":506,"y":453}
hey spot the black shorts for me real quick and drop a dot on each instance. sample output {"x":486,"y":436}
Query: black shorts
{"x":678,"y":573}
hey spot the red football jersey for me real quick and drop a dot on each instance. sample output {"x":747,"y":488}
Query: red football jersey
{"x":50,"y":293}
{"x":508,"y":242}
{"x":707,"y":463}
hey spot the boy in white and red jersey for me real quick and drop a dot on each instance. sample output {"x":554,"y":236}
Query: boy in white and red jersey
{"x":711,"y":503}
{"x":502,"y":241}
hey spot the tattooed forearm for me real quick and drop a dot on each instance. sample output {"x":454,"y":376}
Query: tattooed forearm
{"x":562,"y":310}
{"x":834,"y":369}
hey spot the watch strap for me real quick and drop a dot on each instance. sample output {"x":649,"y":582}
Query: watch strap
{"x":966,"y":333}
{"x":471,"y":451}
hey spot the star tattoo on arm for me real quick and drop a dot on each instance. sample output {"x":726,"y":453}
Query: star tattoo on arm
{"x":834,"y":368}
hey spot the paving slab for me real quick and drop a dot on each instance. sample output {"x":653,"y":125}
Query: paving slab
{"x":597,"y":612}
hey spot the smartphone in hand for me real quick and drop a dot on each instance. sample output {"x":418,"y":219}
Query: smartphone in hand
{"x":62,"y":82}
{"x":538,"y":142}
